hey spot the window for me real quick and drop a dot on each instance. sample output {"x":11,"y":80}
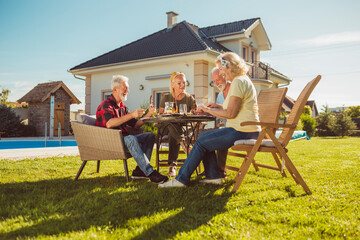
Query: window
{"x":244,"y":53}
{"x":105,"y":94}
{"x":157,"y":94}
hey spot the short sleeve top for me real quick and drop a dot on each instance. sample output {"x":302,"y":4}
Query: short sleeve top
{"x":188,"y":100}
{"x":243,"y":88}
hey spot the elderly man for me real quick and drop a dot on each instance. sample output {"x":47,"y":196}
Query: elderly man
{"x":224,"y":86}
{"x":112,"y":113}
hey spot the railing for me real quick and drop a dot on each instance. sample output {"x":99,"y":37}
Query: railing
{"x":259,"y":70}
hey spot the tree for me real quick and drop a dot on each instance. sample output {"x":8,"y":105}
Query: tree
{"x":342,"y":124}
{"x":323,"y":122}
{"x":4,"y":94}
{"x":353,"y":111}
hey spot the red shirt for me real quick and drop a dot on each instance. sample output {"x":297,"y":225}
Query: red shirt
{"x":110,"y":109}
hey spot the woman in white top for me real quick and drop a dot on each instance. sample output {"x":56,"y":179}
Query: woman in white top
{"x":240,"y":105}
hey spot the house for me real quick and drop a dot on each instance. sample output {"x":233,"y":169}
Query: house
{"x":39,"y":100}
{"x":289,"y":103}
{"x":183,"y":47}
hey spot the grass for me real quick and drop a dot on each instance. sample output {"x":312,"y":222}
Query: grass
{"x":39,"y":199}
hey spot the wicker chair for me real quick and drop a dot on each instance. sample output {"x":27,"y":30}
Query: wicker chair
{"x":98,"y":143}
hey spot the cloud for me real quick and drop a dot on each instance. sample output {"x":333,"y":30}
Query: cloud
{"x":330,"y":39}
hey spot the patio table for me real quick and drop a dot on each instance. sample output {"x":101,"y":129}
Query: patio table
{"x":190,"y":123}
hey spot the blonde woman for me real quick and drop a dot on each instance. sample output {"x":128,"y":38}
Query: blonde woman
{"x":174,"y":131}
{"x":240,"y":105}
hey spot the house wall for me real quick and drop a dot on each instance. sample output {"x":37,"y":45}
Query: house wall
{"x":100,"y":82}
{"x":39,"y":113}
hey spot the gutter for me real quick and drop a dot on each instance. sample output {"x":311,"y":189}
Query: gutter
{"x":76,"y":76}
{"x":142,"y":60}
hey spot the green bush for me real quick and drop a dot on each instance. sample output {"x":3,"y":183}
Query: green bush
{"x":9,"y":122}
{"x":309,"y":124}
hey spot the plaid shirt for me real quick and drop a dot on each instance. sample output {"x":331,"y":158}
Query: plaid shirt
{"x":110,"y":109}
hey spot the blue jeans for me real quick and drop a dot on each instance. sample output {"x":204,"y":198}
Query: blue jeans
{"x":204,"y":149}
{"x":140,"y":147}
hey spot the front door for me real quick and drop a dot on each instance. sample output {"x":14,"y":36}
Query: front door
{"x":59,"y":118}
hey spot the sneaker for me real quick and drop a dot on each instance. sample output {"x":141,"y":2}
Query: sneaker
{"x":202,"y":174}
{"x":223,"y":174}
{"x":156,"y":177}
{"x":172,"y":183}
{"x":172,"y":171}
{"x":216,"y":181}
{"x":138,"y":174}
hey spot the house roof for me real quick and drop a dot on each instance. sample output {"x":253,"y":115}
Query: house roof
{"x":182,"y":38}
{"x":289,"y":103}
{"x":42,"y":91}
{"x":228,"y":28}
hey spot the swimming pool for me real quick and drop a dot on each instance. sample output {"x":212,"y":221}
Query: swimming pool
{"x":15,"y":144}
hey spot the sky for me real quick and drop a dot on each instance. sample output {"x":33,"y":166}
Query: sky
{"x":40,"y":40}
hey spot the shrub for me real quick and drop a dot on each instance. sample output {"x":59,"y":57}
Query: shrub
{"x":309,"y":124}
{"x":9,"y":122}
{"x":342,"y":125}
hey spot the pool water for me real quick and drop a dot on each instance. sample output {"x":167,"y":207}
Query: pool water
{"x":14,"y":144}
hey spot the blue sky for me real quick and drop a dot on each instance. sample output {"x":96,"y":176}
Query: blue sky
{"x":41,"y":39}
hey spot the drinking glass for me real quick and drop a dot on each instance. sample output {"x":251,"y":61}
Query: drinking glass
{"x":168,"y":107}
{"x":183,"y":108}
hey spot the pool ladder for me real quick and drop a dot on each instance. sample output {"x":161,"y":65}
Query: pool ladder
{"x":59,"y":134}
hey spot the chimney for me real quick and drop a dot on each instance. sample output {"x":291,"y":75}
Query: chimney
{"x":171,"y":19}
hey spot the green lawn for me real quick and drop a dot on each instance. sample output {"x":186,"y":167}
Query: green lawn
{"x":39,"y":199}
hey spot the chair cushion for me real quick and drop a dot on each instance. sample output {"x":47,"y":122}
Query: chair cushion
{"x":265,"y":142}
{"x":86,"y":119}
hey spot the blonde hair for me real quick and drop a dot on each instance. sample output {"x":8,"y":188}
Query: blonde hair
{"x":234,"y":62}
{"x":172,"y":79}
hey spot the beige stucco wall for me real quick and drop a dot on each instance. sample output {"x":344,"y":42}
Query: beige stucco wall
{"x":102,"y":81}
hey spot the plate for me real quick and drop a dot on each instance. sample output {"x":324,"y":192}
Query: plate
{"x":170,"y":115}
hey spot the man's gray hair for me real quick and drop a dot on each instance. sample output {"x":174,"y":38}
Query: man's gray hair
{"x":213,"y":70}
{"x":117,"y":80}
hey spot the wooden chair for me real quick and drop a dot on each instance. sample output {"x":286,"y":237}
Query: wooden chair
{"x":277,"y":147}
{"x":98,"y":143}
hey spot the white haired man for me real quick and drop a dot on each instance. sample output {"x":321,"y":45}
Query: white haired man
{"x":112,"y":113}
{"x":224,"y":86}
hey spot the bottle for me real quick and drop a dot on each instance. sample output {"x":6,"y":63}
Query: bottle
{"x":174,"y":109}
{"x":194,"y":110}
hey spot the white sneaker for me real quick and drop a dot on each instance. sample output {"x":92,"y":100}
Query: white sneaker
{"x":172,"y":183}
{"x":216,"y":181}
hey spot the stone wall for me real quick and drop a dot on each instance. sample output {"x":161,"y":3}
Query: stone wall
{"x":39,"y":113}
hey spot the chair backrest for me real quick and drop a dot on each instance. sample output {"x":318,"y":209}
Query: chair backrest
{"x":297,"y":110}
{"x":270,"y":102}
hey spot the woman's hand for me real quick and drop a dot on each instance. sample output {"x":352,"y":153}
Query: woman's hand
{"x":203,"y":108}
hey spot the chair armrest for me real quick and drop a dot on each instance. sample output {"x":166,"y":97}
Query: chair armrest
{"x":271,"y":125}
